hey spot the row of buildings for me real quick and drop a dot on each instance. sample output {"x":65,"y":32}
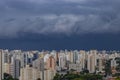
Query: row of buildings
{"x":34,"y":65}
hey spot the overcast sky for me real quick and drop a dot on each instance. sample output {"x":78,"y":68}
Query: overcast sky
{"x":56,"y":18}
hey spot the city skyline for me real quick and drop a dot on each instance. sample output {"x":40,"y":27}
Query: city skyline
{"x":45,"y":65}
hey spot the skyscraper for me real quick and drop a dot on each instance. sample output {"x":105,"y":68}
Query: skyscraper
{"x":91,"y":61}
{"x":50,"y":63}
{"x":1,"y":64}
{"x":17,"y":68}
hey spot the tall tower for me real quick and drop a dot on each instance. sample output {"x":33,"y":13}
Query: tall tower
{"x":1,"y":64}
{"x":50,"y":63}
{"x":91,"y":62}
{"x":88,"y":61}
{"x":82,"y":58}
{"x":16,"y":68}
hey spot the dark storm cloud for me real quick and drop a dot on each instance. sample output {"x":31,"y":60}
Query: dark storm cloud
{"x":60,"y":17}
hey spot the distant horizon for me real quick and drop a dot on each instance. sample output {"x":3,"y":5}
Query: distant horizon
{"x":86,"y":42}
{"x":57,"y":50}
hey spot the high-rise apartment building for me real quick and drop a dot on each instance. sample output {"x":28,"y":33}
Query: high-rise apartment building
{"x":91,"y":61}
{"x":6,"y":68}
{"x":1,"y":65}
{"x":50,"y":63}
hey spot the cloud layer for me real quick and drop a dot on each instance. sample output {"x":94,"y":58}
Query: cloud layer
{"x":58,"y":17}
